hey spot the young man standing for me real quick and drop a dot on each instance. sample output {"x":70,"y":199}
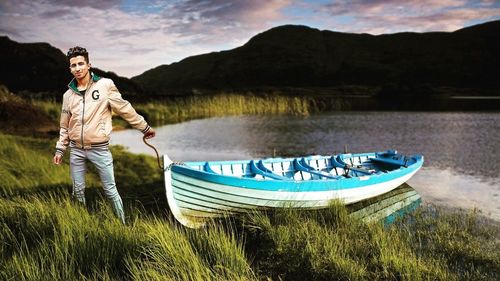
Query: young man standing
{"x":86,"y":126}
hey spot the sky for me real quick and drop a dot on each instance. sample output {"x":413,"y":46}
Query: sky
{"x":129,"y":37}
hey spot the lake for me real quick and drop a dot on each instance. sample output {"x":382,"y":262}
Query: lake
{"x":461,"y":150}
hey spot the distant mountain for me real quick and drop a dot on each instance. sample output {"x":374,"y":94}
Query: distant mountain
{"x":40,"y":67}
{"x":300,"y":56}
{"x":290,"y":56}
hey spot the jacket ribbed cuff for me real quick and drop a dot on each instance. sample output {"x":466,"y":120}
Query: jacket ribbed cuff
{"x":59,"y":151}
{"x":146,"y":129}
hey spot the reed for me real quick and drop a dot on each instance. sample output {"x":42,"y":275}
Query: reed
{"x":45,"y":235}
{"x":194,"y":107}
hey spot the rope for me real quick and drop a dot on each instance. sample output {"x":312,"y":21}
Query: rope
{"x":156,"y":151}
{"x":158,"y":157}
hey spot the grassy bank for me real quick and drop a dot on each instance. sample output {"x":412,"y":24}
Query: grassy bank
{"x":44,"y":235}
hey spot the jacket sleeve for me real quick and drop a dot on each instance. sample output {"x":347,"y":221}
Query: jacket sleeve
{"x":125,"y":109}
{"x":63,"y":141}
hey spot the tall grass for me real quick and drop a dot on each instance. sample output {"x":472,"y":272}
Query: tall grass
{"x":44,"y":235}
{"x":178,"y":254}
{"x":467,"y":243}
{"x":55,"y":239}
{"x":194,"y":107}
{"x":25,"y":166}
{"x":331,"y":245}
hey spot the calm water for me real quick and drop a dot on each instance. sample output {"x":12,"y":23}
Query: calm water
{"x":461,"y":150}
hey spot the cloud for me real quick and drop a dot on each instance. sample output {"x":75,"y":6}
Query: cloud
{"x":388,"y":6}
{"x":75,"y":4}
{"x":130,"y":37}
{"x":225,"y":18}
{"x":449,"y":20}
{"x":389,"y":16}
{"x":244,"y":11}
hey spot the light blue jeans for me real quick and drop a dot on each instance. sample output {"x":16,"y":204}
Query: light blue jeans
{"x":103,"y":160}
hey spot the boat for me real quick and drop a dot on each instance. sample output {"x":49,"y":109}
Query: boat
{"x":198,"y":192}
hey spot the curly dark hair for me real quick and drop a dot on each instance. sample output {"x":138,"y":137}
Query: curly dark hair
{"x":78,"y":51}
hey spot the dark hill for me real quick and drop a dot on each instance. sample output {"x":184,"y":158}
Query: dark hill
{"x":290,"y":56}
{"x":40,"y":67}
{"x":32,"y":66}
{"x":22,"y":117}
{"x":299,"y":56}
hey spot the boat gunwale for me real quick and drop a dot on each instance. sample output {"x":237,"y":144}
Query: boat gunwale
{"x":297,"y":185}
{"x":279,"y":159}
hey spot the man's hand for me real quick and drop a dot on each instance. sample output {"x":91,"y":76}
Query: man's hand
{"x":57,"y":159}
{"x":150,"y":133}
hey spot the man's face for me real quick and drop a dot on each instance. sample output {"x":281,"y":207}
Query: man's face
{"x":78,"y":67}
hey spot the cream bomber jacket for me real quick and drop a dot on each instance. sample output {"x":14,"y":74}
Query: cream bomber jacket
{"x":86,"y":119}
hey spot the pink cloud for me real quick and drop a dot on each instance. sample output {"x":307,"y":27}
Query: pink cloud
{"x":388,"y":6}
{"x":377,"y":17}
{"x":224,"y":18}
{"x":129,"y":38}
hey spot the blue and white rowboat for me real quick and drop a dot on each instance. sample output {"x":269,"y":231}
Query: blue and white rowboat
{"x":199,"y":191}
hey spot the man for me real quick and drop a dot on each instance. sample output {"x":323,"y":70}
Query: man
{"x":86,"y":126}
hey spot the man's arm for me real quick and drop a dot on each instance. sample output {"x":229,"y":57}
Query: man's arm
{"x":63,"y":141}
{"x":127,"y":112}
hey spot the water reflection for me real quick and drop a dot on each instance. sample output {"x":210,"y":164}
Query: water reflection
{"x":447,"y":187}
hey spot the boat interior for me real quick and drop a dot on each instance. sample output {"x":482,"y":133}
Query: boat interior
{"x":314,"y":167}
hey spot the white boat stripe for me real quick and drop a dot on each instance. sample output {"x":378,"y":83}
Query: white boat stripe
{"x":238,"y":200}
{"x":196,"y":206}
{"x":185,"y":192}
